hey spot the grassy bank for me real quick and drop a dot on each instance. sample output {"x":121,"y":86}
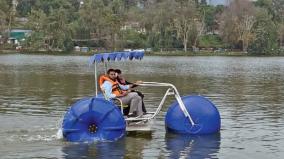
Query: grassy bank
{"x":164,"y":53}
{"x":46,"y":52}
{"x":8,"y":51}
{"x":200,"y":53}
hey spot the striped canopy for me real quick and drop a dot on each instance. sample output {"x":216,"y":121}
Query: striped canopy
{"x":116,"y":56}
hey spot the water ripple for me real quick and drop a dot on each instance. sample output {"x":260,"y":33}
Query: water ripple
{"x":36,"y":90}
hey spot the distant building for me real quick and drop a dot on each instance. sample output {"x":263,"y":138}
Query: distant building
{"x":22,"y":20}
{"x":17,"y":35}
{"x":20,"y":33}
{"x":133,"y":25}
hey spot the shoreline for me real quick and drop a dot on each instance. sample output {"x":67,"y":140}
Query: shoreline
{"x":165,"y":53}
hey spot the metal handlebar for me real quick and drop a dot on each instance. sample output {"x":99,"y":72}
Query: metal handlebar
{"x":177,"y":96}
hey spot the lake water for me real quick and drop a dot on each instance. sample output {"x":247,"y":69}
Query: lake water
{"x":36,"y":90}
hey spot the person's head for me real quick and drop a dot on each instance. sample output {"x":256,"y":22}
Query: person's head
{"x":111,"y":73}
{"x":118,"y":72}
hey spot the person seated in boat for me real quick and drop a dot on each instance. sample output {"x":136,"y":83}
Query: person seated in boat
{"x":112,"y":89}
{"x":121,"y":80}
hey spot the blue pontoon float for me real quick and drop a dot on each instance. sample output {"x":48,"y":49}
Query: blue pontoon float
{"x":96,"y":118}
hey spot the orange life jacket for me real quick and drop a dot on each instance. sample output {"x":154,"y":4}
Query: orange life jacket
{"x":115,"y":85}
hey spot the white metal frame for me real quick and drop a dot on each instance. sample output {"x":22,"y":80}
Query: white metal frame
{"x":170,"y":91}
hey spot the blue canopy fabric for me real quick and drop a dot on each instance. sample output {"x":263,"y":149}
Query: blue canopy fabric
{"x":116,"y":56}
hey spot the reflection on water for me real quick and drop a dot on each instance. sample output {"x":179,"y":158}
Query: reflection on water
{"x":100,"y":150}
{"x":128,"y":147}
{"x":36,"y":90}
{"x":177,"y":146}
{"x":186,"y":146}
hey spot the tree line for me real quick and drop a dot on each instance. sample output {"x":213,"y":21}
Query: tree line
{"x":256,"y":27}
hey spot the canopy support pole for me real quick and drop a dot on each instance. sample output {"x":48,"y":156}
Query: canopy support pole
{"x":105,"y":65}
{"x":96,"y":78}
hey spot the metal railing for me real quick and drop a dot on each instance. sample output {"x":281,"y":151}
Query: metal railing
{"x":170,"y":91}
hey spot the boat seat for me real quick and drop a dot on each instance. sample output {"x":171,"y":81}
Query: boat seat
{"x":115,"y":101}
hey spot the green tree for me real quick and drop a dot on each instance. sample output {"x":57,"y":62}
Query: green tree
{"x":209,"y":19}
{"x":158,"y":24}
{"x":115,"y":19}
{"x":51,"y":29}
{"x":58,"y":31}
{"x":211,"y":14}
{"x":266,"y":4}
{"x":237,"y":24}
{"x":133,"y":25}
{"x":24,"y":7}
{"x":103,"y":20}
{"x":7,"y":12}
{"x":185,"y":21}
{"x":134,"y":39}
{"x":91,"y":19}
{"x":265,"y":42}
{"x":203,"y":2}
{"x":37,"y":23}
{"x":279,"y":12}
{"x":4,"y":15}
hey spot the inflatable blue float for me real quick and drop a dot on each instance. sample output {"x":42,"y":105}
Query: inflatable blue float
{"x":93,"y":119}
{"x":203,"y":112}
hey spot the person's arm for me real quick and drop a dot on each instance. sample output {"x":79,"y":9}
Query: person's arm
{"x":131,"y":85}
{"x":135,"y":84}
{"x":126,"y":82}
{"x":124,"y":87}
{"x":107,"y":87}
